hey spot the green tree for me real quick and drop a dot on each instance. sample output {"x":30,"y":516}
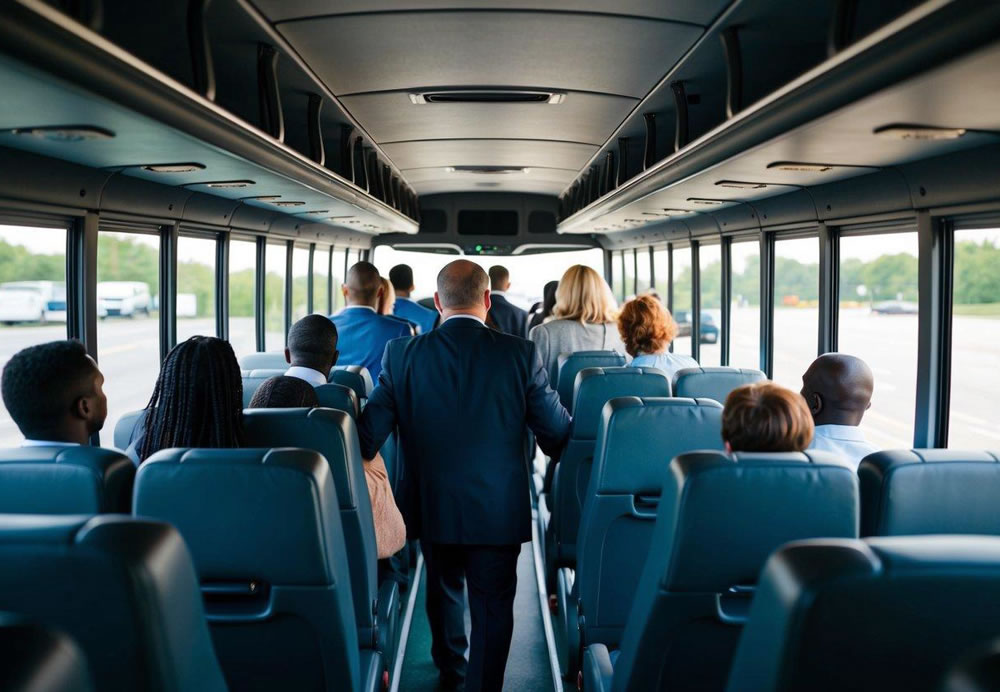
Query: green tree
{"x":977,"y":279}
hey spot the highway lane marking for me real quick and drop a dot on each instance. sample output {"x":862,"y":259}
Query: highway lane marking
{"x":112,"y":350}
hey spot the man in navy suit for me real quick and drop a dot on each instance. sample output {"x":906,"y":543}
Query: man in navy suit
{"x":461,"y":397}
{"x":509,"y":318}
{"x":363,"y":332}
{"x":401,"y":278}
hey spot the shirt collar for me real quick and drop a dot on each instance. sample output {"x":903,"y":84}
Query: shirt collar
{"x":48,"y":443}
{"x":466,"y":317}
{"x":313,"y":377}
{"x":841,"y":432}
{"x":359,"y":307}
{"x":498,"y":293}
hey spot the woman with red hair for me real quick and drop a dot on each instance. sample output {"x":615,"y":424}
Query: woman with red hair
{"x":647,"y":329}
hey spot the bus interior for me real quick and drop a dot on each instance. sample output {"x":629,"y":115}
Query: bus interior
{"x":789,"y":178}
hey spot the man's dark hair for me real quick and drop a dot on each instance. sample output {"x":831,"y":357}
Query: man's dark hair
{"x":197,"y":400}
{"x":401,"y":277}
{"x":461,"y":284}
{"x":498,"y":277}
{"x":40,"y":384}
{"x":312,"y":342}
{"x":284,"y":392}
{"x":363,"y":282}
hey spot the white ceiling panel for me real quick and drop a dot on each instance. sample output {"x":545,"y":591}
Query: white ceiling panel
{"x":488,"y":152}
{"x":581,"y":117}
{"x":476,"y":185}
{"x":406,"y":50}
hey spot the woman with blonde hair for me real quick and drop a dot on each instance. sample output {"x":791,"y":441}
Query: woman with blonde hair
{"x":582,"y":320}
{"x":647,"y":328}
{"x":386,"y":303}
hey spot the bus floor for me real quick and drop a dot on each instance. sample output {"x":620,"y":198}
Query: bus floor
{"x":528,"y":666}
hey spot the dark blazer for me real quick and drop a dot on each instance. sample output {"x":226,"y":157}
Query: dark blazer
{"x":509,"y":318}
{"x":460,"y":397}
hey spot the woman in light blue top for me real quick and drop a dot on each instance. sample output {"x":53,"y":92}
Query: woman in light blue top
{"x":647,"y":328}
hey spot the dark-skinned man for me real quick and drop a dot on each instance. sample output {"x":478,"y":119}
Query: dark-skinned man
{"x":838,"y":389}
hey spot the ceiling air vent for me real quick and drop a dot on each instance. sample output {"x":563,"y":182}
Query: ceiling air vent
{"x":487,"y":170}
{"x":488,"y":96}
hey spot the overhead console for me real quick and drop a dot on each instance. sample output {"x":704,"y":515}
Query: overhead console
{"x":203,"y":97}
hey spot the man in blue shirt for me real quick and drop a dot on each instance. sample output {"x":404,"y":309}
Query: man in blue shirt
{"x":401,"y":278}
{"x":838,"y":389}
{"x":363,"y":333}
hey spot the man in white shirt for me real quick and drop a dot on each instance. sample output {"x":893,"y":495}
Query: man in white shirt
{"x":312,"y":349}
{"x":54,"y":393}
{"x":838,"y":389}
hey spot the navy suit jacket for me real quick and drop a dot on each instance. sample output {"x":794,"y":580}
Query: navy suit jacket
{"x":509,"y":318}
{"x":415,"y":312}
{"x":461,"y":398}
{"x":362,"y":335}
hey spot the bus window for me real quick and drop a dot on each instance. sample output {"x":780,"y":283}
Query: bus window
{"x":642,"y":263}
{"x":744,"y":306}
{"x":710,"y":270}
{"x":877,"y":322}
{"x":796,"y":311}
{"x":300,"y":282}
{"x":242,"y":280}
{"x":682,"y":299}
{"x":339,"y":275}
{"x":195,"y":287}
{"x":617,"y":274}
{"x":661,"y":271}
{"x":128,"y":331}
{"x":975,"y":356}
{"x":320,"y":279}
{"x":32,"y":298}
{"x":274,"y":297}
{"x":629,"y":274}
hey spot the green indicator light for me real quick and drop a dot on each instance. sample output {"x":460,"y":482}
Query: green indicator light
{"x":479,"y":248}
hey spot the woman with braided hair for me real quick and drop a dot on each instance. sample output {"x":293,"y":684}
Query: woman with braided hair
{"x":197,"y":400}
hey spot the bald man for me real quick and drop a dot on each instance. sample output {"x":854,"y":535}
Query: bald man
{"x":838,"y":389}
{"x":461,"y":397}
{"x":363,"y":333}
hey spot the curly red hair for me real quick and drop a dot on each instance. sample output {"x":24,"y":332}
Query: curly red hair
{"x":646,"y":326}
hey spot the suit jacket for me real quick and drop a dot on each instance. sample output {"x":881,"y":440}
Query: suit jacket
{"x":362,"y":336}
{"x":414,"y":312}
{"x":460,"y":398}
{"x":509,"y":318}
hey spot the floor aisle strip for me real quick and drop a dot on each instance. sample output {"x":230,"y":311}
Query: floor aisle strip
{"x":404,"y":635}
{"x":543,"y":603}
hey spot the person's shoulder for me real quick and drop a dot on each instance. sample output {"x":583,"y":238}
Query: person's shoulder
{"x":393,"y":323}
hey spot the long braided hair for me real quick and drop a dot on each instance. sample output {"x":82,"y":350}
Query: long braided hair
{"x":198,"y":399}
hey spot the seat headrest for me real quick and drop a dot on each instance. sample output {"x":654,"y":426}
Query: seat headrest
{"x":356,"y":377}
{"x":638,"y":438}
{"x":65,"y":480}
{"x":122,"y":435}
{"x":330,"y":432}
{"x":713,"y":382}
{"x":339,"y":397}
{"x":926,"y":491}
{"x":263,"y":361}
{"x":253,"y":379}
{"x":720,"y":516}
{"x":595,"y":386}
{"x":569,"y":364}
{"x":33,"y":653}
{"x":253,"y":514}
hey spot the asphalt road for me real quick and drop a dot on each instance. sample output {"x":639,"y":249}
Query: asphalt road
{"x":129,"y":350}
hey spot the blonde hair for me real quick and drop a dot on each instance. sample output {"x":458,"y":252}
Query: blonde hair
{"x":388,"y":298}
{"x":585,"y":297}
{"x":646,"y":326}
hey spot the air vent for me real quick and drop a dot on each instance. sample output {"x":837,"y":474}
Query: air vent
{"x":796,"y":166}
{"x":173,"y":167}
{"x":228,"y":184}
{"x":919,"y":132}
{"x":289,"y":203}
{"x":741,"y":185}
{"x":264,"y":198}
{"x":487,"y":170}
{"x":702,"y":202}
{"x":488,"y":96}
{"x":65,"y":133}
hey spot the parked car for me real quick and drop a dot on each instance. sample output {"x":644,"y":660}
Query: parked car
{"x":895,"y":307}
{"x":123,"y":298}
{"x":32,"y":301}
{"x":709,"y":330}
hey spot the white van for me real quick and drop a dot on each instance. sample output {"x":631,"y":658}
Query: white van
{"x":32,"y":301}
{"x":123,"y":298}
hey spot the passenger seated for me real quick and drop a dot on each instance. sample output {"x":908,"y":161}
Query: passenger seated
{"x":363,"y":332}
{"x":386,"y":303}
{"x":425,"y":318}
{"x":541,"y":312}
{"x":284,"y":392}
{"x":312,"y":349}
{"x":54,"y":394}
{"x":197,"y":401}
{"x":766,"y":417}
{"x":648,"y":328}
{"x":507,"y":317}
{"x":585,"y":315}
{"x":838,"y":390}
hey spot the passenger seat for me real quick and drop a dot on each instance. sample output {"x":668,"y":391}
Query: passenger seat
{"x":273,"y":360}
{"x":356,"y":377}
{"x":720,"y":516}
{"x":264,"y":528}
{"x":570,"y":364}
{"x":34,"y":658}
{"x":713,"y":382}
{"x":65,"y":480}
{"x":124,"y":589}
{"x":879,"y":614}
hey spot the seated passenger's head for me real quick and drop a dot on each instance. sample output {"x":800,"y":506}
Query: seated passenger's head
{"x":584,"y":296}
{"x":312,"y":343}
{"x":401,"y":277}
{"x":387,"y":299}
{"x":284,"y":392}
{"x":198,"y":398}
{"x":838,"y":389}
{"x":766,"y":417}
{"x":54,"y":393}
{"x":363,"y":285}
{"x":463,"y":287}
{"x":499,"y":278}
{"x":549,"y":297}
{"x":646,"y":326}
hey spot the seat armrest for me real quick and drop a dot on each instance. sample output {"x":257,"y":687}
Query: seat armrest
{"x":598,"y":671}
{"x":387,"y":618}
{"x":370,"y":671}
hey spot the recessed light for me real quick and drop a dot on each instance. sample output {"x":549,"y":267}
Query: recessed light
{"x":487,"y":96}
{"x":174,"y":167}
{"x":316,"y":211}
{"x":289,"y":203}
{"x":801,"y":167}
{"x":919,"y":132}
{"x":701,"y":201}
{"x":65,"y":133}
{"x":263,"y":198}
{"x":741,"y":185}
{"x":228,"y":184}
{"x":636,"y":220}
